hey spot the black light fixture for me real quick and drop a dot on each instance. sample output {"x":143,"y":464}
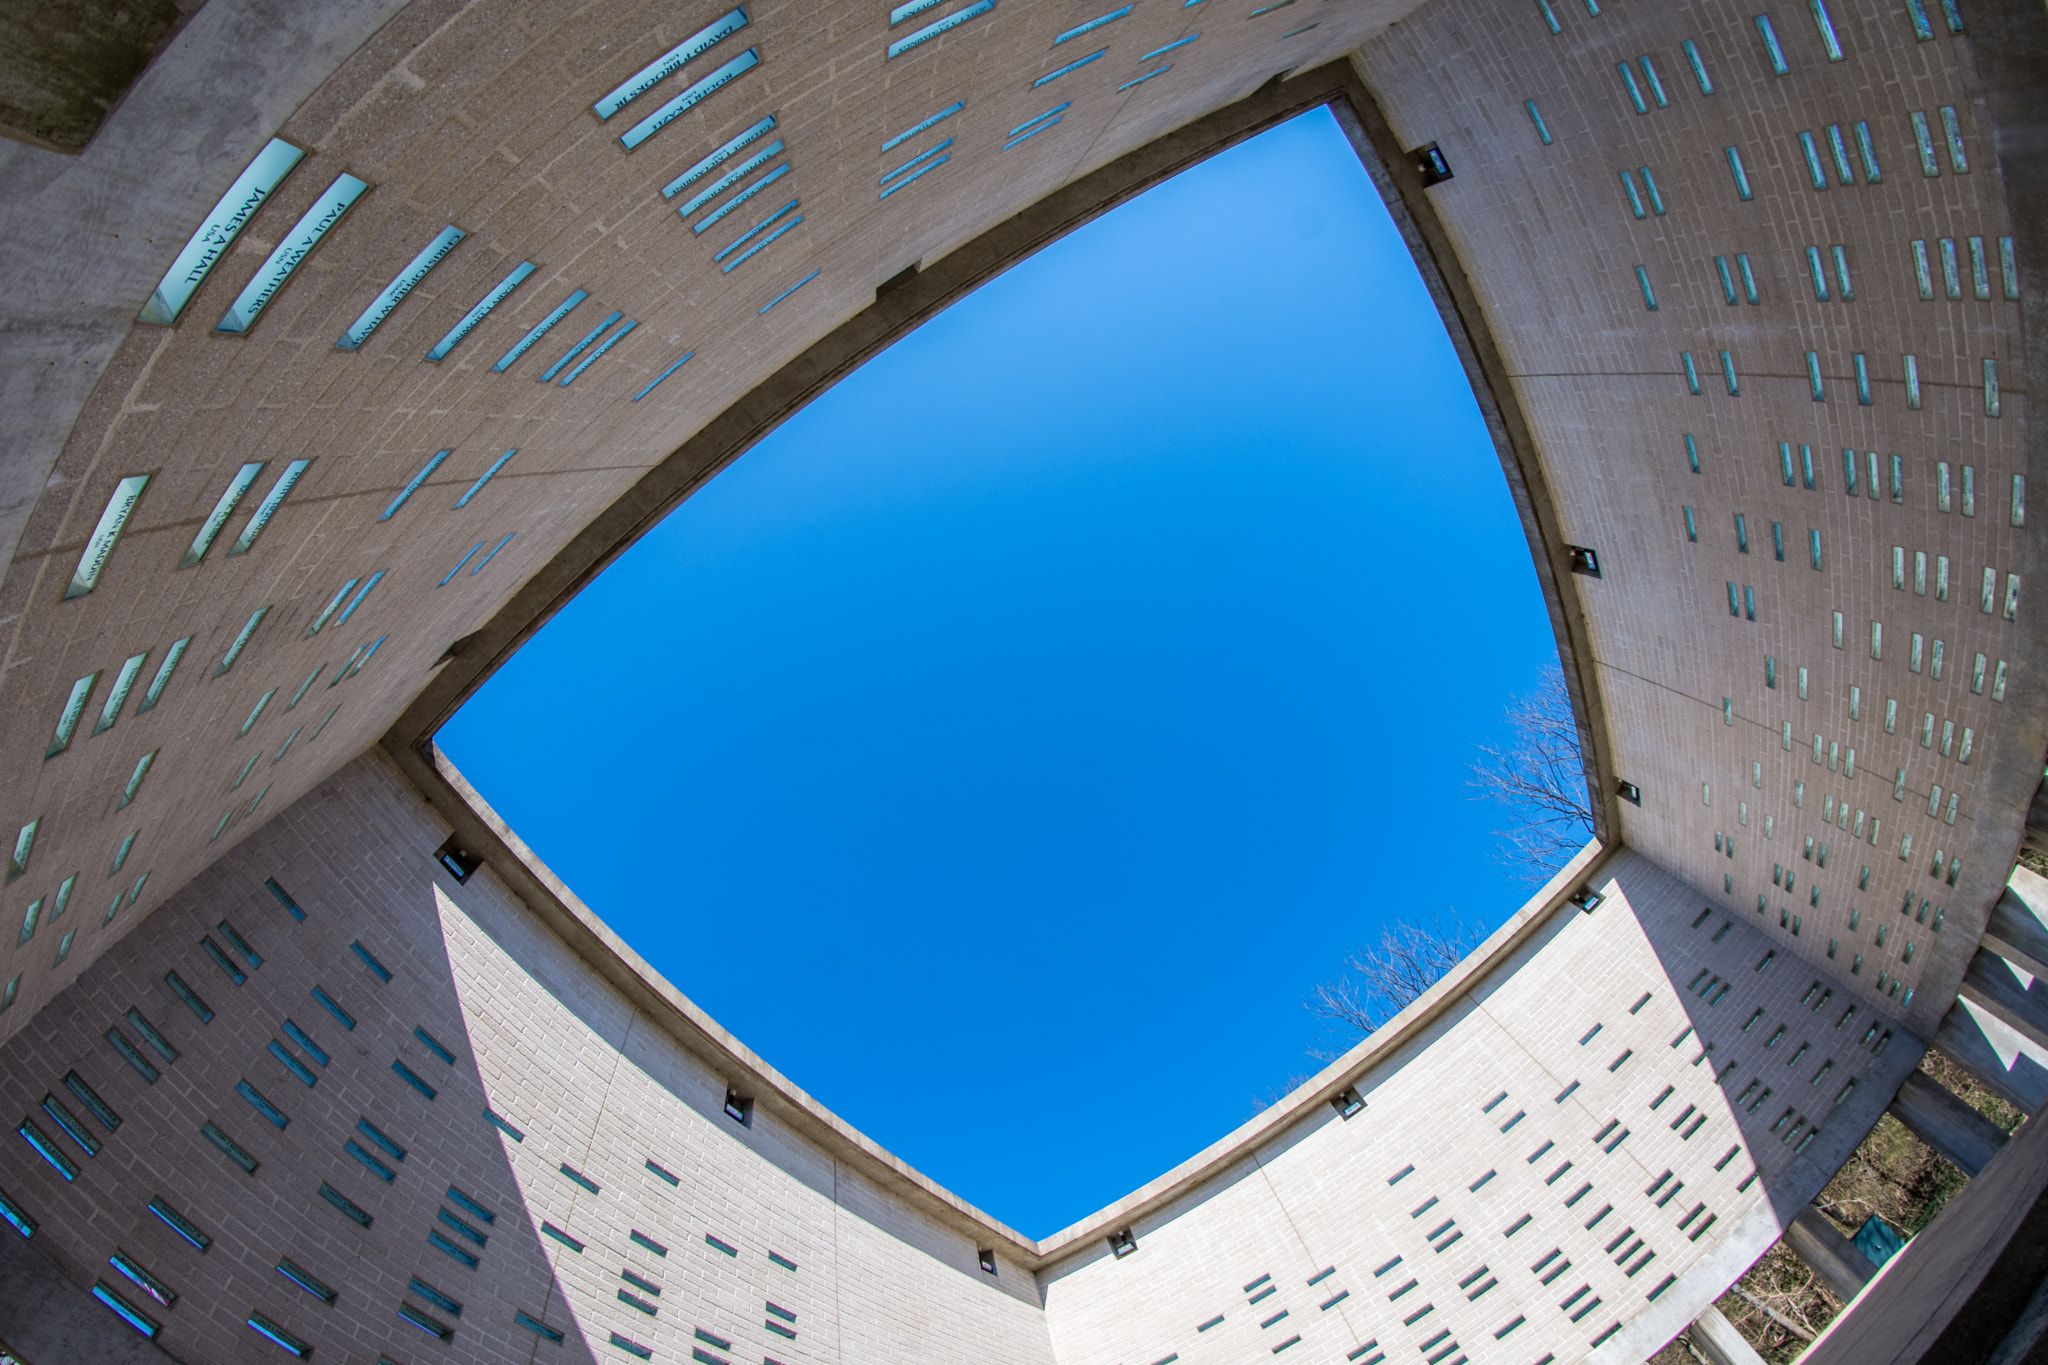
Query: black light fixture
{"x":1629,"y":792}
{"x":739,"y":1108}
{"x":1348,"y":1102}
{"x":1431,"y":165}
{"x":987,"y":1256}
{"x":1585,"y":560}
{"x":459,"y":861}
{"x":1122,"y":1244}
{"x":1587,"y":899}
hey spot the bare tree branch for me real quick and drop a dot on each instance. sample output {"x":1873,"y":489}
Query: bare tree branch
{"x":1275,"y":1094}
{"x":1381,"y":980}
{"x":1773,"y":1314}
{"x":1541,"y":780}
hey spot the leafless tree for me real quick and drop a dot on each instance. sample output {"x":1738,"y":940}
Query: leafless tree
{"x":1540,"y":778}
{"x":1274,"y":1094}
{"x":1381,"y":980}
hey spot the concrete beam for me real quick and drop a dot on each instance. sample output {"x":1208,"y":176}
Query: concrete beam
{"x":1934,"y":1115}
{"x":70,"y":65}
{"x":1719,"y":1342}
{"x":1996,"y":1057}
{"x":1992,"y":983}
{"x":1833,"y":1257}
{"x":2016,"y":932}
{"x":2026,"y":1332}
{"x":155,"y":166}
{"x":1964,"y":1289}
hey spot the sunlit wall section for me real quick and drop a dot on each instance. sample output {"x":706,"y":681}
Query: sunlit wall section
{"x":330,"y":1094}
{"x":332,"y":1101}
{"x":1582,"y":1152}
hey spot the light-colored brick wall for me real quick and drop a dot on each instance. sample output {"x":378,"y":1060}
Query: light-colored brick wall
{"x":539,"y":1039}
{"x":591,"y":1082}
{"x":1319,"y":1195}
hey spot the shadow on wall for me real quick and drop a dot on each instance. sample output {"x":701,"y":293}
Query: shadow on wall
{"x":270,"y":1115}
{"x":1586,"y":1037}
{"x":1806,"y":1054}
{"x":266,"y":1120}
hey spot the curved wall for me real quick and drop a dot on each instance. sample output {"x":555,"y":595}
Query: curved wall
{"x":1525,"y":1106}
{"x":578,"y":1076}
{"x":480,"y":117}
{"x":1711,"y":674}
{"x":1717,"y":715}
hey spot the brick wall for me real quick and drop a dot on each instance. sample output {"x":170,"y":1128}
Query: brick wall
{"x":582,"y":1078}
{"x":539,"y":1039}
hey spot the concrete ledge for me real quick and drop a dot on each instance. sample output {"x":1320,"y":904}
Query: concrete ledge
{"x":1959,"y":1133}
{"x":84,"y":239}
{"x":485,"y":833}
{"x":2002,"y":1060}
{"x":1834,"y":1257}
{"x":900,"y":306}
{"x":908,"y":300}
{"x":1720,"y":1343}
{"x":2016,"y":933}
{"x":1993,"y":984}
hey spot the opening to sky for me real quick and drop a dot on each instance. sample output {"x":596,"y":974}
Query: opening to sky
{"x":1006,"y":746}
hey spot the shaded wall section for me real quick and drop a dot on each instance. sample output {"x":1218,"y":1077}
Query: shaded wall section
{"x":65,"y":64}
{"x":1749,"y":278}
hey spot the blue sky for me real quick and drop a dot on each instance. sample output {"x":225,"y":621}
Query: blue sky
{"x":1006,"y":746}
